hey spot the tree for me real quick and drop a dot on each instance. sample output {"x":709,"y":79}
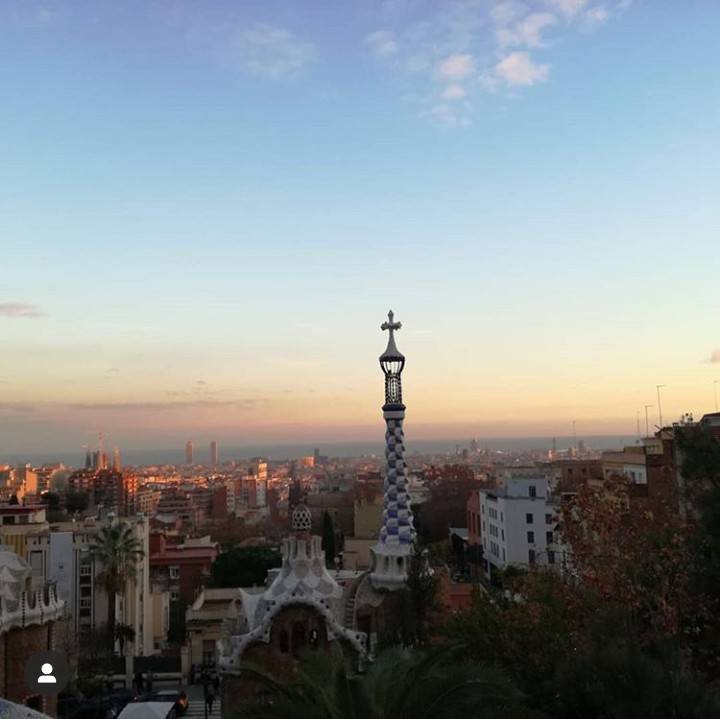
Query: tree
{"x":328,"y":539}
{"x":76,"y":501}
{"x":124,"y":633}
{"x":398,"y":685}
{"x":413,"y":605}
{"x":51,"y":500}
{"x":525,"y":638}
{"x":622,"y":552}
{"x":446,"y":505}
{"x":244,"y":566}
{"x":13,"y":500}
{"x":118,"y":551}
{"x":700,"y":457}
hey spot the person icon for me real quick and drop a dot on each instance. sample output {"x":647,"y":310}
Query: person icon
{"x":47,"y":676}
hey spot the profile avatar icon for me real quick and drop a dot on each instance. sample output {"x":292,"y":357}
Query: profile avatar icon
{"x":47,"y":676}
{"x":47,"y":673}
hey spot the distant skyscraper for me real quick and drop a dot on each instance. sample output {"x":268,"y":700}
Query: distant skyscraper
{"x":117,"y":464}
{"x":214,"y":456}
{"x":189,"y":452}
{"x":88,"y":459}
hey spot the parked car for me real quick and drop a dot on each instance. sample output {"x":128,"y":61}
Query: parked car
{"x":142,"y":709}
{"x":177,"y":697}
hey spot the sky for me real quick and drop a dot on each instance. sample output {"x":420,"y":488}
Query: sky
{"x":207,"y":209}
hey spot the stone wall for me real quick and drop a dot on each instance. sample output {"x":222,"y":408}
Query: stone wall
{"x":16,"y":647}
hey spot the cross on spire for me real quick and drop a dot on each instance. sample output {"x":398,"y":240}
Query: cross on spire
{"x":390,"y":325}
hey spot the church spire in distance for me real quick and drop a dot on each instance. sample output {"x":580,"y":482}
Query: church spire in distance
{"x":391,"y":555}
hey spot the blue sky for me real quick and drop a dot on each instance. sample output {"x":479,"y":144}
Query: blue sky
{"x":207,"y":209}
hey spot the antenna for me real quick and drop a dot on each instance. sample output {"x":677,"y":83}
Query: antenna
{"x":647,"y":425}
{"x":658,"y":387}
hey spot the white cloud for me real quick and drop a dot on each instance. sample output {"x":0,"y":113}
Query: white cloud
{"x":597,"y":15}
{"x":450,"y":51}
{"x":450,"y":115}
{"x":569,"y":8}
{"x":505,"y":13}
{"x":382,"y":43}
{"x":517,"y":68}
{"x":453,"y":92}
{"x":527,"y":32}
{"x":270,"y":51}
{"x":456,"y":67}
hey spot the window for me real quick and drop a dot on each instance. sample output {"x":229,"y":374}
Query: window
{"x":532,"y":491}
{"x":531,"y":537}
{"x":531,"y":556}
{"x":528,"y":519}
{"x":548,"y":519}
{"x":174,"y":572}
{"x":503,"y":555}
{"x":502,"y":533}
{"x":549,"y":538}
{"x":551,"y":557}
{"x":174,"y":596}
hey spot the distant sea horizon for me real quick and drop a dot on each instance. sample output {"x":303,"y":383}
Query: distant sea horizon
{"x":340,"y":450}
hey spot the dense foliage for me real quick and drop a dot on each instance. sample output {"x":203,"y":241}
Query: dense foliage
{"x":244,"y":566}
{"x":398,"y":685}
{"x":632,"y":626}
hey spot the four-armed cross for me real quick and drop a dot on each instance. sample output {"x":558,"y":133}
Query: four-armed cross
{"x":390,"y":325}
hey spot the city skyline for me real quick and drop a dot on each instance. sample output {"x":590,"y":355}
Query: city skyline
{"x":207,"y":216}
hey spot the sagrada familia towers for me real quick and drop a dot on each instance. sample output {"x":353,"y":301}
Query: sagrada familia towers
{"x":305,"y":606}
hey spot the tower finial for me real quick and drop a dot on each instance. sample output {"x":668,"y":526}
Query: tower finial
{"x":390,"y":324}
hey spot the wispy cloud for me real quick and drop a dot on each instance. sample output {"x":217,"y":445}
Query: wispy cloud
{"x":382,"y":43}
{"x":451,"y":52}
{"x":164,"y":406}
{"x":518,"y":69}
{"x":19,"y":309}
{"x":270,"y":51}
{"x":527,"y":32}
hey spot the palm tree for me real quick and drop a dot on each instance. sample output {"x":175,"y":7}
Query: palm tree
{"x":400,"y":684}
{"x":118,"y":550}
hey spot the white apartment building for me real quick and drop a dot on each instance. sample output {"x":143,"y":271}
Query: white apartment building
{"x":518,"y":521}
{"x":62,"y":555}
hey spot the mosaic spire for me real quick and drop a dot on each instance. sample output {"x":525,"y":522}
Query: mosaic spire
{"x":392,"y":552}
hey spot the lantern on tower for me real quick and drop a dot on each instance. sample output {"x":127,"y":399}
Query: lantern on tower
{"x":392,"y":362}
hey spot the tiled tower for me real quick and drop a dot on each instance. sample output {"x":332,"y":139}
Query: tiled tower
{"x":391,"y":555}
